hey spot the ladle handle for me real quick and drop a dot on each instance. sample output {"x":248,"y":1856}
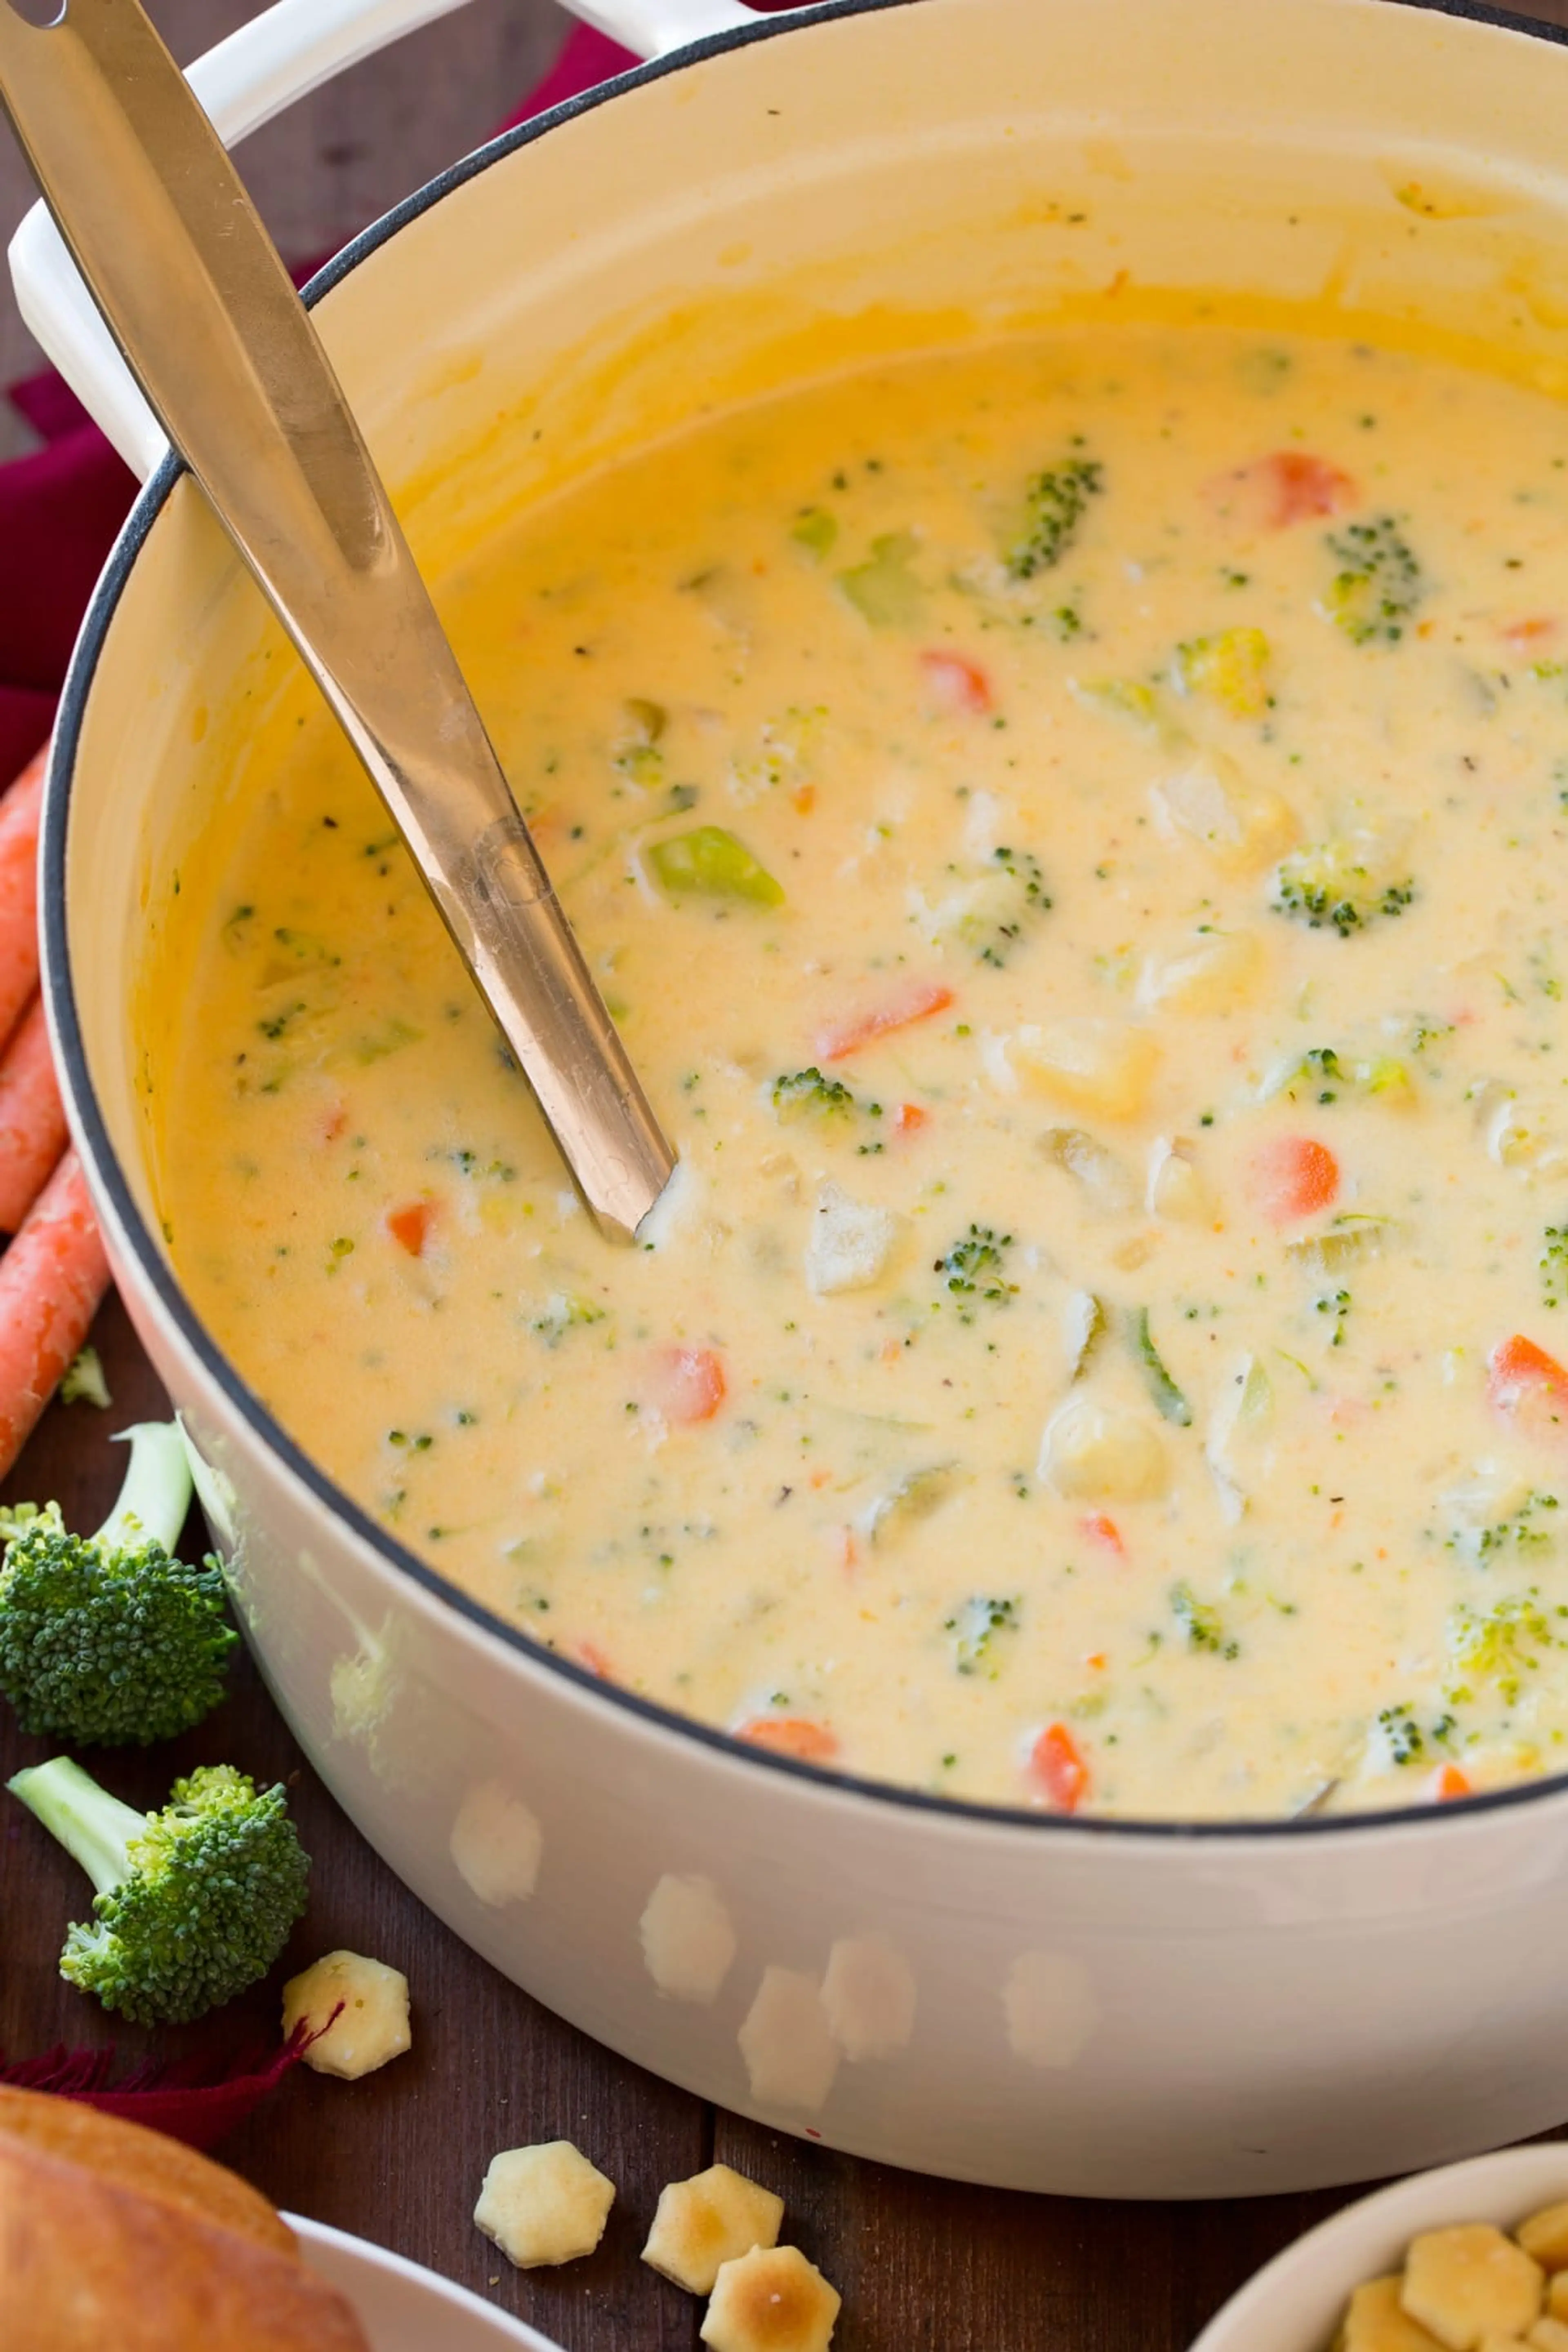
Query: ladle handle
{"x":203,"y":310}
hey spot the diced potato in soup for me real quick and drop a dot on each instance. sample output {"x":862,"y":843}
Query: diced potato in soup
{"x":1075,"y":834}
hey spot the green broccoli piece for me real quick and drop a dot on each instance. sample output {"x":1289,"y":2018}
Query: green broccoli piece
{"x":193,"y":1903}
{"x":975,"y":1269}
{"x":1378,"y":588}
{"x":974,"y":1627}
{"x":109,"y":1638}
{"x":83,"y":1383}
{"x":1403,"y":1737}
{"x":1552,"y":1265}
{"x":1201,"y":1622}
{"x":806,"y":1094}
{"x":1332,"y":883}
{"x":1055,"y":504}
{"x":1013,"y":896}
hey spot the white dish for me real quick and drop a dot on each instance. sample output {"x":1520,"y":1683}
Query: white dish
{"x":403,"y":2308}
{"x":1296,"y":2304}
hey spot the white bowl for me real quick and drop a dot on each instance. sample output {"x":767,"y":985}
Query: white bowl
{"x":1296,"y":2304}
{"x":403,"y":2308}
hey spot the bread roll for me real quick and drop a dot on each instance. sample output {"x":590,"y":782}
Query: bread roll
{"x":149,"y":2162}
{"x":133,"y":2241}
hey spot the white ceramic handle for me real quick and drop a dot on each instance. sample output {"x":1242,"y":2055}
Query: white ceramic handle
{"x":288,"y":50}
{"x":651,"y":28}
{"x":277,"y":57}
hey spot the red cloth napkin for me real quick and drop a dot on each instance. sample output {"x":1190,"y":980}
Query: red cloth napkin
{"x":61,"y":506}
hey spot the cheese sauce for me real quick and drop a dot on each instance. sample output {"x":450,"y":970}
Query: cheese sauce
{"x":1074,"y":837}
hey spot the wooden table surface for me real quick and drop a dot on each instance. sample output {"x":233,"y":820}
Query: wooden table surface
{"x":923,"y":2266}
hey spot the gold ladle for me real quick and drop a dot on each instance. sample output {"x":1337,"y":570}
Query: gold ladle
{"x":193,"y":290}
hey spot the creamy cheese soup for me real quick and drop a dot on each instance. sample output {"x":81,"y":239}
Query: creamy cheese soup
{"x":1075,"y":834}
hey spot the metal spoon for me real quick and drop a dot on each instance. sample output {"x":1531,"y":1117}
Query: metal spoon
{"x":192,"y":288}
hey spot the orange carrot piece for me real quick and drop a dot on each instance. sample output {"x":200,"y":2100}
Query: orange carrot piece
{"x":1529,"y":636}
{"x":842,"y":1038}
{"x":51,"y":1280}
{"x":1096,"y":1528}
{"x":32,"y":1117}
{"x":1449,"y":1782}
{"x":410,"y":1225}
{"x":1293,"y":1177}
{"x":1288,"y":486}
{"x":588,"y":1653}
{"x":19,"y":810}
{"x":789,"y":1735}
{"x":688,"y":1383}
{"x":909,"y":1119}
{"x":1059,"y":1766}
{"x":1528,"y":1387}
{"x":954,"y":683}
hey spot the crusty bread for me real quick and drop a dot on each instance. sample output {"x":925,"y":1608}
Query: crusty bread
{"x":92,"y":2254}
{"x":149,"y":2162}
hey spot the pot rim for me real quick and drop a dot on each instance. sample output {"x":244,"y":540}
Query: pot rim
{"x":154,"y":1272}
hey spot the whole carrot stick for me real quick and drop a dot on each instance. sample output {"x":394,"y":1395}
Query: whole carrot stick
{"x":19,"y":891}
{"x":32,"y":1116}
{"x":51,"y":1279}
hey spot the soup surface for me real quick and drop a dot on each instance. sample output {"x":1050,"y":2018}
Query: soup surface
{"x":1076,"y":837}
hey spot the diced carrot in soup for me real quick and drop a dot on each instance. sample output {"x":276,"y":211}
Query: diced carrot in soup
{"x":953,"y":683}
{"x":1059,"y":1767}
{"x":1529,"y":1388}
{"x":807,"y":1742}
{"x":410,"y":1225}
{"x":688,"y":1383}
{"x":838,"y":1040}
{"x":1294,"y":1177}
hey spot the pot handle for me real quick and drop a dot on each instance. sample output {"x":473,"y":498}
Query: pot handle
{"x":279,"y":55}
{"x":283,"y":54}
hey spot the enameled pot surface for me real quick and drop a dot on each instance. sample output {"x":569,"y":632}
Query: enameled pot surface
{"x":1090,"y":2007}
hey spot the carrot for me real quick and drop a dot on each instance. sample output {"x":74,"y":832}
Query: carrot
{"x":1449,"y":1782}
{"x":19,"y":891}
{"x":909,"y":1119}
{"x":1096,"y":1528}
{"x":1527,"y":1385}
{"x":790,"y":1734}
{"x":840,"y":1039}
{"x":410,"y":1225}
{"x":1293,"y":1177}
{"x":956,"y":684}
{"x":688,"y":1383}
{"x":588,"y":1653}
{"x":1522,"y":636}
{"x":1290,"y":486}
{"x":51,"y":1279}
{"x":32,"y":1117}
{"x":1057,"y":1764}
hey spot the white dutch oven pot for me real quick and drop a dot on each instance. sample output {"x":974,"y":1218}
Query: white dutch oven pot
{"x":1052,"y":2004}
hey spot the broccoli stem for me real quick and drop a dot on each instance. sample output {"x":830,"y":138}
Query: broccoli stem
{"x":156,"y":1494}
{"x":94,"y":1828}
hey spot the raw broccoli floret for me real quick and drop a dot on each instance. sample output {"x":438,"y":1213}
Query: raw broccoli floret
{"x":193,"y":1903}
{"x":83,"y":1382}
{"x":1378,"y":587}
{"x":109,"y":1638}
{"x":1054,"y":508}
